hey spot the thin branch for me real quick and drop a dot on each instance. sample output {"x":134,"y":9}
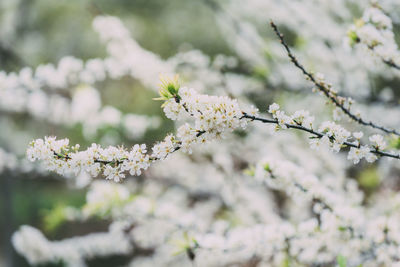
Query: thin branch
{"x":316,"y":134}
{"x":178,"y":146}
{"x":337,"y":100}
{"x":121,"y":160}
{"x":390,"y":63}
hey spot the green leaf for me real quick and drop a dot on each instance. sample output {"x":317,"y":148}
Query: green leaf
{"x":169,"y":87}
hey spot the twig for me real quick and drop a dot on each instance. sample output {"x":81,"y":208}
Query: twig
{"x":390,"y":63}
{"x":337,"y":100}
{"x":316,"y":134}
{"x":245,"y":116}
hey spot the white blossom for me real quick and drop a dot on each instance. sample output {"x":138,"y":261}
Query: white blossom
{"x":378,"y":141}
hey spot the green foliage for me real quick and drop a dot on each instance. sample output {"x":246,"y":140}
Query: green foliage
{"x":250,"y":171}
{"x":32,"y":196}
{"x":267,"y":168}
{"x":188,"y":245}
{"x":104,"y":209}
{"x":341,"y":261}
{"x":353,"y":37}
{"x":58,"y":263}
{"x":54,"y":217}
{"x":369,"y":179}
{"x":261,"y":72}
{"x":394,"y":142}
{"x":169,"y":88}
{"x":300,"y":42}
{"x":227,"y":215}
{"x":285,"y":262}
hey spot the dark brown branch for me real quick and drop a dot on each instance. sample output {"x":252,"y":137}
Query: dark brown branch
{"x":390,"y":63}
{"x":252,"y":118}
{"x":336,"y":100}
{"x":316,"y":134}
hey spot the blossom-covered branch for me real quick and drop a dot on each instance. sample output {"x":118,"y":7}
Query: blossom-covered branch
{"x":329,"y":136}
{"x":213,"y":116}
{"x":375,"y":31}
{"x":342,"y":103}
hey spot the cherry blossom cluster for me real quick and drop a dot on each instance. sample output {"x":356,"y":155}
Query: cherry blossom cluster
{"x":300,"y":117}
{"x":343,"y":104}
{"x":214,"y":117}
{"x":330,"y":135}
{"x":41,"y":91}
{"x":319,"y":234}
{"x":295,"y":181}
{"x":375,"y":31}
{"x":336,"y":203}
{"x":357,"y":153}
{"x":112,"y":161}
{"x":244,"y":30}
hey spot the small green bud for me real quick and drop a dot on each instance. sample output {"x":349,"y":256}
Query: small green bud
{"x":169,"y":88}
{"x":267,"y":167}
{"x":353,"y":38}
{"x":250,"y":171}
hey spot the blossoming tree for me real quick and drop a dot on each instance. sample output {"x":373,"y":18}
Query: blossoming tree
{"x":266,"y":164}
